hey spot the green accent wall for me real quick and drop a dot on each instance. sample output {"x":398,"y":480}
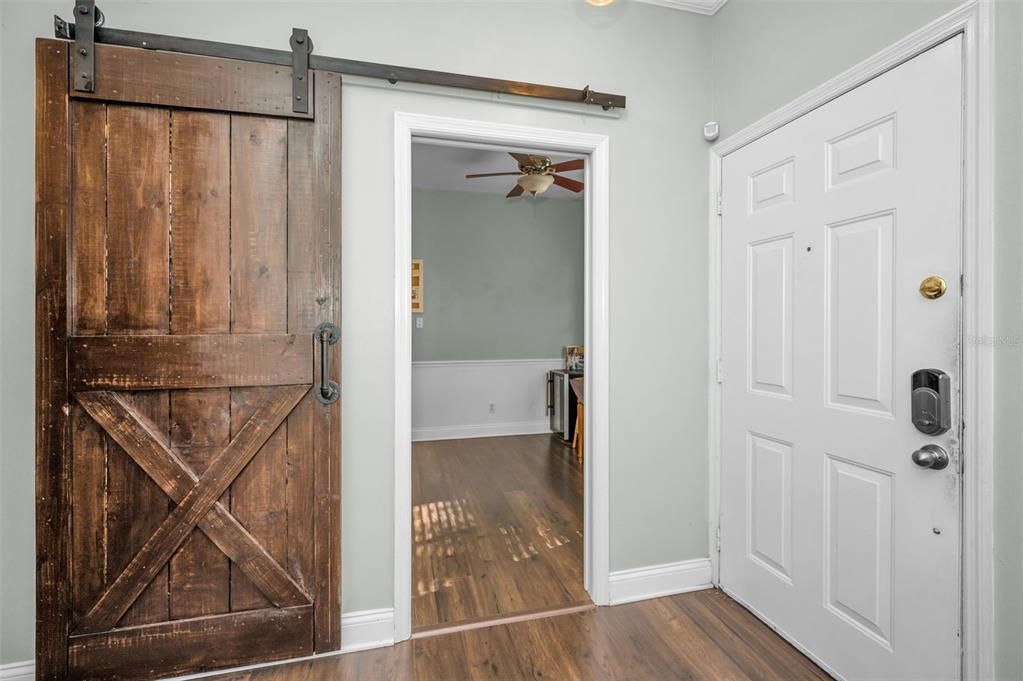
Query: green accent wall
{"x":503,"y":278}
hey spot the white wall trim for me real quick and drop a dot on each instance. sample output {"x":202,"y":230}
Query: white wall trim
{"x":974,"y":21}
{"x":597,"y":213}
{"x":480,"y":430}
{"x":484,"y":362}
{"x":367,"y":629}
{"x":706,"y":7}
{"x":654,"y":581}
{"x":18,"y":671}
{"x":977,"y":450}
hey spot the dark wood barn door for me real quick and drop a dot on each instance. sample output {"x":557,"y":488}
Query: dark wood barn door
{"x":188,"y":475}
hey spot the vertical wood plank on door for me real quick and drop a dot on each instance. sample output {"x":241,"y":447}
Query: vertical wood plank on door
{"x":138,"y":220}
{"x":52,"y":503}
{"x":138,"y":258}
{"x":87,"y":312}
{"x":313,"y":297}
{"x":88,"y":522}
{"x":327,"y":447}
{"x":200,"y":304}
{"x":304,"y":313}
{"x":89,"y":219}
{"x":259,"y":304}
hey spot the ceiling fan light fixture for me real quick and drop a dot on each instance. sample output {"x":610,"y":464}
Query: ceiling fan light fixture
{"x":536,"y":184}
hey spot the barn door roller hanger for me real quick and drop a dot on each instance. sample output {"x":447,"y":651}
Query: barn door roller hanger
{"x":88,"y":30}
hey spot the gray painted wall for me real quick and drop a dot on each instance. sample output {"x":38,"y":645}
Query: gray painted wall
{"x":768,"y":53}
{"x":504,"y":277}
{"x":658,"y":476}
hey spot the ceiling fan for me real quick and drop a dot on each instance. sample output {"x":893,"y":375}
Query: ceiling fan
{"x":537,"y":174}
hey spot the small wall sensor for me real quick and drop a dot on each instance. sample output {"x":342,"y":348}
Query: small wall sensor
{"x":711,"y":131}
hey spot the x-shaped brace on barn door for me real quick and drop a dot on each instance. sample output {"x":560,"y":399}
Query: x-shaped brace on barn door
{"x":197,"y":501}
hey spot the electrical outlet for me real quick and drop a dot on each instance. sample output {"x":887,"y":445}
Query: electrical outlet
{"x":493,"y":409}
{"x":419,"y":322}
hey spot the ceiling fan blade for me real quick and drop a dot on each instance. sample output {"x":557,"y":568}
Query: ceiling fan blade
{"x":565,"y":166}
{"x":522,"y":159}
{"x":516,"y":191}
{"x":469,"y":177}
{"x":568,"y":183}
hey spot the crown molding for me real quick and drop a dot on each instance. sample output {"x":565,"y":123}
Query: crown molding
{"x":706,"y":7}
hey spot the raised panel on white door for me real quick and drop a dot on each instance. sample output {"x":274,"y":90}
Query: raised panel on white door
{"x":858,"y":546}
{"x":770,"y":280}
{"x":860,"y":343}
{"x":772,"y":186}
{"x":769,"y":504}
{"x":864,"y":151}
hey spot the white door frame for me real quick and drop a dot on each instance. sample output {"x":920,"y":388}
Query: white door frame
{"x":974,"y":21}
{"x":453,"y":131}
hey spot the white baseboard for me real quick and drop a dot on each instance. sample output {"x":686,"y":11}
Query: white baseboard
{"x":367,"y":629}
{"x":18,"y":671}
{"x":360,"y":630}
{"x":655,"y":581}
{"x":480,"y":430}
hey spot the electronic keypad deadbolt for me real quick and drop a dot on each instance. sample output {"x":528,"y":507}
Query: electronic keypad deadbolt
{"x":932,"y":401}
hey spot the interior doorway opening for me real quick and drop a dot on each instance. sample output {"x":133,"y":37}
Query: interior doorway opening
{"x":498,"y":384}
{"x":410,"y":130}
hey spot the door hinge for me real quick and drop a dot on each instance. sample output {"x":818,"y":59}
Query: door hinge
{"x":719,"y":204}
{"x":717,"y":539}
{"x":962,"y":284}
{"x":719,"y":372}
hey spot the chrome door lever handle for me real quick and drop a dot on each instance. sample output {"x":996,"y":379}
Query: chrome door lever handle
{"x":931,"y":456}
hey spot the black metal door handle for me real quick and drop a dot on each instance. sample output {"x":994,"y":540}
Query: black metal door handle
{"x":329,"y":391}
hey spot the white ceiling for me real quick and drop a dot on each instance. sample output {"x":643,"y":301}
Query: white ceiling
{"x":708,"y":7}
{"x":445,"y":168}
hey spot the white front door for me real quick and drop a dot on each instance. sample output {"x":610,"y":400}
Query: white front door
{"x":829,"y":530}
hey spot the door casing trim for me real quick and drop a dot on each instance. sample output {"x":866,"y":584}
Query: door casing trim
{"x":460,"y":132}
{"x":974,"y":21}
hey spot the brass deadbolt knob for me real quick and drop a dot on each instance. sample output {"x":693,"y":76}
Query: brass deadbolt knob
{"x":933,"y":287}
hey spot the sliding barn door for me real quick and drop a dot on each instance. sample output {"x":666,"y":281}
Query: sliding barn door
{"x":188,"y":247}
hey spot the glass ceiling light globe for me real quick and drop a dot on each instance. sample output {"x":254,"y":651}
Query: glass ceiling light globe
{"x":536,"y":184}
{"x":599,"y":3}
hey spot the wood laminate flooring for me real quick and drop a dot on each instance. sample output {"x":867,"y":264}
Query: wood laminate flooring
{"x":703,"y":636}
{"x":497,"y":529}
